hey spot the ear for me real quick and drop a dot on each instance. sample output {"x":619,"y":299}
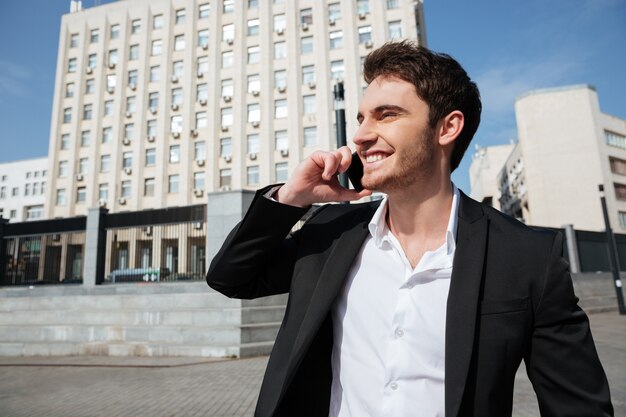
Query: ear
{"x":450,"y":127}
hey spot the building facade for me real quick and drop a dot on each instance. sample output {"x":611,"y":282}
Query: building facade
{"x":486,"y":164}
{"x":159,"y":102}
{"x":567,"y":148}
{"x":23,"y":187}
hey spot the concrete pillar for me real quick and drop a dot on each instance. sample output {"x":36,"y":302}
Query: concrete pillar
{"x":3,"y":252}
{"x":572,"y":248}
{"x":224,"y":211}
{"x":95,"y":239}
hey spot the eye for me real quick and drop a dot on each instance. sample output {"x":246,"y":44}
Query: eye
{"x":388,"y":114}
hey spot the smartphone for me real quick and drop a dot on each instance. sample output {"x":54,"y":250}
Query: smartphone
{"x":355,"y":172}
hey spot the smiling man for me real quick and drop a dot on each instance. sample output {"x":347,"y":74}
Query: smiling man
{"x":422,"y":304}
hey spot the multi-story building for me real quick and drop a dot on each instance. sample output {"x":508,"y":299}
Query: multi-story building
{"x":158,"y":102}
{"x":567,"y":147}
{"x":23,"y":189}
{"x":486,"y":163}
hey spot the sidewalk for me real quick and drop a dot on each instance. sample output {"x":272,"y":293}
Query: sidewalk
{"x":189,"y":387}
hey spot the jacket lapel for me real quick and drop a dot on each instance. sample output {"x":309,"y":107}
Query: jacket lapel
{"x":462,"y":307}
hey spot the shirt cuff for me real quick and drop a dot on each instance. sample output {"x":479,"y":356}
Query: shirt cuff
{"x":272,"y":192}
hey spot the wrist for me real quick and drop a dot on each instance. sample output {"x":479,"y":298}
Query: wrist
{"x":284,"y":196}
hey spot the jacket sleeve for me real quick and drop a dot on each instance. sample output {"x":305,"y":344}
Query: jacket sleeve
{"x":258,"y":256}
{"x":562,"y":362}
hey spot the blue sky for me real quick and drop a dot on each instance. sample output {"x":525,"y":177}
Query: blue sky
{"x":508,"y":47}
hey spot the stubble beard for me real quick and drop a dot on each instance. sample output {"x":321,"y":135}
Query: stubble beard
{"x":414,"y":164}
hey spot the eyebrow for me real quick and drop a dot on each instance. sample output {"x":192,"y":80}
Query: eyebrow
{"x":382,"y":108}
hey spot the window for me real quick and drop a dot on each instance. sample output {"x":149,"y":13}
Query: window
{"x":280,"y":140}
{"x":148,"y":187}
{"x":280,"y":109}
{"x":199,"y":151}
{"x":226,"y":147}
{"x":198,"y":180}
{"x":126,"y":188}
{"x":108,"y":107}
{"x":180,"y":16}
{"x":112,"y":58}
{"x":365,"y":34}
{"x":111,"y":82}
{"x":34,"y":212}
{"x":174,"y":154}
{"x":177,"y":69}
{"x":128,"y":131}
{"x":395,"y":29}
{"x":91,"y":61}
{"x":153,"y":100}
{"x":115,"y":31}
{"x":132,"y":77}
{"x":201,"y":120}
{"x":614,"y":139}
{"x":179,"y":42}
{"x":151,"y":128}
{"x":254,"y":54}
{"x":15,"y":192}
{"x":87,"y":111}
{"x":63,"y":169}
{"x":253,"y":4}
{"x":27,"y":189}
{"x":157,"y":47}
{"x":81,"y":194}
{"x":204,"y":10}
{"x":227,"y":116}
{"x":280,"y":50}
{"x":336,"y":39}
{"x":172,"y":184}
{"x":363,"y":6}
{"x":310,"y":136}
{"x":203,"y":38}
{"x":308,"y":74}
{"x":393,"y":4}
{"x":71,"y":65}
{"x":253,"y":144}
{"x":105,"y":163}
{"x":306,"y":44}
{"x":107,"y":135}
{"x":281,"y":172}
{"x":228,"y":6}
{"x":252,"y":174}
{"x":280,"y":23}
{"x":103,"y":191}
{"x":157,"y":22}
{"x":84,"y":138}
{"x":336,"y":70}
{"x":89,"y":86}
{"x":202,"y":92}
{"x":306,"y":16}
{"x":334,"y":11}
{"x":253,"y":27}
{"x":177,"y":96}
{"x":65,"y":141}
{"x":308,"y":104}
{"x":131,"y":104}
{"x":154,"y":73}
{"x":620,"y":191}
{"x":176,"y":124}
{"x":69,"y":90}
{"x":254,"y":112}
{"x":203,"y":65}
{"x":618,"y":166}
{"x":622,"y":219}
{"x":133,"y":52}
{"x":227,"y":59}
{"x":67,"y":115}
{"x":225,"y":175}
{"x":228,"y":88}
{"x":150,"y":159}
{"x":254,"y":83}
{"x":73,"y":40}
{"x":280,"y":78}
{"x":61,"y":198}
{"x":3,"y":192}
{"x":135,"y":26}
{"x":228,"y":32}
{"x":127,"y":160}
{"x":95,"y":35}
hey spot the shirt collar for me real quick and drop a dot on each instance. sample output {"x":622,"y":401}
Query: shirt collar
{"x":379,"y":230}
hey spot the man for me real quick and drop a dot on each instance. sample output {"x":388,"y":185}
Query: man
{"x":423,"y":304}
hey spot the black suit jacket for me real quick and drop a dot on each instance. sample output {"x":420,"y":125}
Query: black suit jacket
{"x":510,"y":298}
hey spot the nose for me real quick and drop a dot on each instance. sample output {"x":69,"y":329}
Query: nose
{"x":364,"y":135}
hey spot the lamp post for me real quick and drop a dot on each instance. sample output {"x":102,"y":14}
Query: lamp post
{"x":612,"y":254}
{"x":340,"y":124}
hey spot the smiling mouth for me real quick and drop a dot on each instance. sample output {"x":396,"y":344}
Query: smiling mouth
{"x":375,"y":157}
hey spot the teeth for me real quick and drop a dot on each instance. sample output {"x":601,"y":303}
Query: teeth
{"x":374,"y":157}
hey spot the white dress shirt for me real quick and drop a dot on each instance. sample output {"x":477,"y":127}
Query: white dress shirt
{"x":389,"y":327}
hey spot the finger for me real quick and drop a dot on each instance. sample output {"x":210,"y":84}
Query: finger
{"x":346,"y":158}
{"x":330,"y":163}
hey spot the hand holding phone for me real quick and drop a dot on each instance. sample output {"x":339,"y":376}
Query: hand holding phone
{"x":355,"y":172}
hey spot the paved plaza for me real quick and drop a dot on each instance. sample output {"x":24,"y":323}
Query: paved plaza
{"x":189,"y":387}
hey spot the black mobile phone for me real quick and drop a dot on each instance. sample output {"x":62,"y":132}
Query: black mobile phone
{"x":355,"y":172}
